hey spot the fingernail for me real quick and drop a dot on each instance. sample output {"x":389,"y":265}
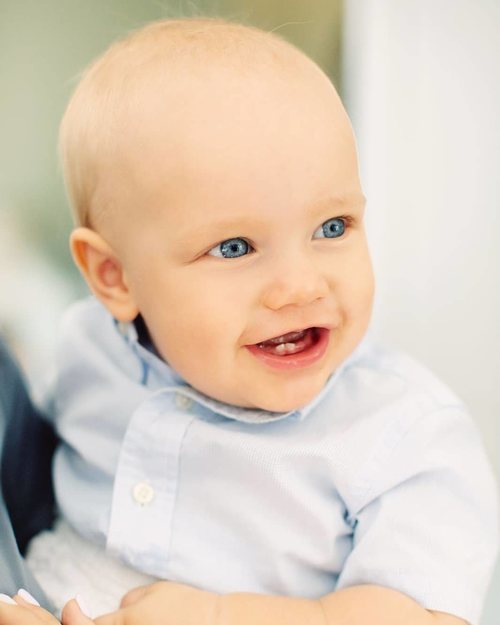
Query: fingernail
{"x":82,"y":605}
{"x":7,"y":599}
{"x":24,"y":594}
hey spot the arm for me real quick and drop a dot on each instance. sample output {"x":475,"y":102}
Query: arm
{"x":358,"y":605}
{"x":179,"y":604}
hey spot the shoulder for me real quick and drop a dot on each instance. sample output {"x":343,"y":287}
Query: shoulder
{"x":92,"y":348}
{"x":88,"y":332}
{"x":396,"y":420}
{"x":419,"y":427}
{"x":380,"y":370}
{"x":381,"y":394}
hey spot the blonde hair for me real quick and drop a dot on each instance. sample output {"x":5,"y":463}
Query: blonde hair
{"x":94,"y":119}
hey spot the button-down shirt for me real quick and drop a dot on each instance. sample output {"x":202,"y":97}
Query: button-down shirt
{"x":381,"y":479}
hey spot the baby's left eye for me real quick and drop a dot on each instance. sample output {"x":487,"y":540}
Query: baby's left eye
{"x":331,"y":228}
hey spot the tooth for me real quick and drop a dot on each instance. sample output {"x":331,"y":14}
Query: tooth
{"x":285,"y":347}
{"x":279,"y":340}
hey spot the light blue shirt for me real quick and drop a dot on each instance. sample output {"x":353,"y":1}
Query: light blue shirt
{"x":381,"y":479}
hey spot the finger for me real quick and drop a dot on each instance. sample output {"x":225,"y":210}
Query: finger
{"x":19,"y":600}
{"x":21,"y":614}
{"x":11,"y":614}
{"x":113,"y":618}
{"x":134,"y":595}
{"x":27,"y":597}
{"x":72,"y":614}
{"x":42,"y":615}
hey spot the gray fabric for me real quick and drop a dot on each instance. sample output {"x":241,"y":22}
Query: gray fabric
{"x":26,"y":444}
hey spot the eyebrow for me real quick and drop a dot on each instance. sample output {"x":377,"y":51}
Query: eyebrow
{"x":214,"y":229}
{"x":353,"y":202}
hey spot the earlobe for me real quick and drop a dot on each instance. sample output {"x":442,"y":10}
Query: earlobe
{"x":103,"y":272}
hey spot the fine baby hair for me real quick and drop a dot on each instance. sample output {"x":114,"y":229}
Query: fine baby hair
{"x":147,"y":64}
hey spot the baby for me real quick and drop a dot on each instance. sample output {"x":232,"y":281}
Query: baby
{"x":226,"y":425}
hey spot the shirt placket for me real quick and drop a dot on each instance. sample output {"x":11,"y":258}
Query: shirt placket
{"x":147,"y":481}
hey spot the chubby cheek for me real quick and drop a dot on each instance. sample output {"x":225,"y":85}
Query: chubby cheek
{"x":355,"y":291}
{"x":363,"y":299}
{"x":196,"y":329}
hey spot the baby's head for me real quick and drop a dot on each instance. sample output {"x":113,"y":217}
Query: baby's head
{"x":213,"y":173}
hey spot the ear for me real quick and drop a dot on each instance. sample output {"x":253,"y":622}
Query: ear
{"x":103,"y":272}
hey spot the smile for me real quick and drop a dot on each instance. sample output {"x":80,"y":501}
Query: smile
{"x":292,"y":350}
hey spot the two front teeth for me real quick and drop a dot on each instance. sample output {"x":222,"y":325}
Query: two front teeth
{"x":288,"y":343}
{"x":286,"y":348}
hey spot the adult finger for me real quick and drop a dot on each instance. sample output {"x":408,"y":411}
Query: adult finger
{"x":19,"y":615}
{"x":41,"y":615}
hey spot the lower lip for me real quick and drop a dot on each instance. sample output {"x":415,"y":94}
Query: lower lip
{"x":294,"y":361}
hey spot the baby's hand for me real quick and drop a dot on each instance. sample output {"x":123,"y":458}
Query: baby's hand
{"x":23,"y":609}
{"x":162,"y":603}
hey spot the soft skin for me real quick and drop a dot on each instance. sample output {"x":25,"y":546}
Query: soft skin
{"x":270,"y":164}
{"x":165,"y":603}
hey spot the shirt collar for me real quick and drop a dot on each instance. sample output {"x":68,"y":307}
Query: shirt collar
{"x":165,"y":376}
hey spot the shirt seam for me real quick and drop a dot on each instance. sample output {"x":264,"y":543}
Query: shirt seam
{"x":365,"y":488}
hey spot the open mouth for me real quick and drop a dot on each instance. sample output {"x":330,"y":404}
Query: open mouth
{"x":291,"y":343}
{"x":294,"y":349}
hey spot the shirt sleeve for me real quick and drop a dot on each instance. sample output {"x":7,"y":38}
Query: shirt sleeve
{"x":427,"y":522}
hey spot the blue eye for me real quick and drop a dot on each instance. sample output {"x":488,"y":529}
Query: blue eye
{"x":331,"y":229}
{"x":231,"y":248}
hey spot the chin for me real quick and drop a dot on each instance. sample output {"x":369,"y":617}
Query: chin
{"x":287,"y":400}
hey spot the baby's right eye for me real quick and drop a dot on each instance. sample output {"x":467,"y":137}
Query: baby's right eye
{"x":231,"y":248}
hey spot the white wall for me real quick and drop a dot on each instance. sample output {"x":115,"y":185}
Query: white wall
{"x":422,"y":87}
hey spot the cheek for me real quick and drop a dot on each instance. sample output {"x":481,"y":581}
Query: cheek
{"x":356,"y":288}
{"x":187,"y":316}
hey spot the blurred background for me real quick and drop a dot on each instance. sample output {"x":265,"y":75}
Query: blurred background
{"x":420,"y":80}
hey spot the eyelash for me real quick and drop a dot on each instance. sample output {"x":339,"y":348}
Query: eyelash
{"x":346,"y":219}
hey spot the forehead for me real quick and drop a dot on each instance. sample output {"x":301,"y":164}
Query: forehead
{"x":229,"y":134}
{"x":224,"y":144}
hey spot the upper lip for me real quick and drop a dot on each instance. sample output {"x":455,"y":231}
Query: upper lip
{"x":294,"y":329}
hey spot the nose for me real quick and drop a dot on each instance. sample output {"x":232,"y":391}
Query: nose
{"x":297,"y":282}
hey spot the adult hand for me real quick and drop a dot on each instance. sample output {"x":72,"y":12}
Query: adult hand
{"x":19,"y":611}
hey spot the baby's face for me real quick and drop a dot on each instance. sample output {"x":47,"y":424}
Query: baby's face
{"x":245,"y":249}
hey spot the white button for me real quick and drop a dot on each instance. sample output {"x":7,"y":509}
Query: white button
{"x":143,"y":493}
{"x":183,"y":402}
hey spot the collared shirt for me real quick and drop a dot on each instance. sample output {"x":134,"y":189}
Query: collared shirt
{"x":381,"y":479}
